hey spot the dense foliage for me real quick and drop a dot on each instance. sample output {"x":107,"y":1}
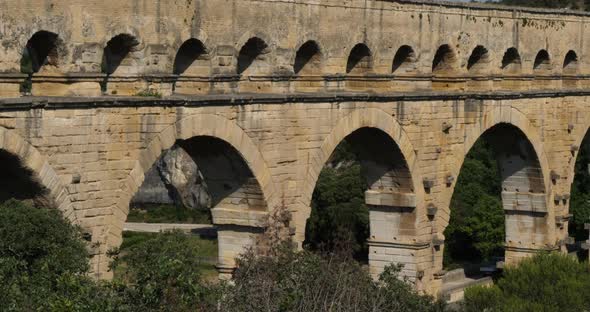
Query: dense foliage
{"x":476,"y":228}
{"x":43,"y":262}
{"x":546,"y":282}
{"x":305,"y":281}
{"x":164,"y":273}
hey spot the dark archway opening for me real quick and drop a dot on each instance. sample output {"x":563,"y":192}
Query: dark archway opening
{"x":367,"y":159}
{"x":579,"y":203}
{"x":20,"y":183}
{"x":117,"y":49}
{"x":476,"y":230}
{"x":404,"y":60}
{"x":308,"y":59}
{"x":254,"y":49}
{"x":570,"y":63}
{"x":511,"y":62}
{"x":542,"y":62}
{"x":188,"y":180}
{"x":43,"y":48}
{"x":444,"y":60}
{"x":190,"y":52}
{"x":360,"y":60}
{"x":501,"y":167}
{"x":478,"y":60}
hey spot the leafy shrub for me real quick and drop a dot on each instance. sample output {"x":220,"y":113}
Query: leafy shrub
{"x":164,"y":273}
{"x":546,"y":282}
{"x":43,"y":263}
{"x":305,"y":281}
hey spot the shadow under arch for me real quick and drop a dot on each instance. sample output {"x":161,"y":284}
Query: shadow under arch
{"x":38,"y":173}
{"x":308,"y":59}
{"x":190,"y":54}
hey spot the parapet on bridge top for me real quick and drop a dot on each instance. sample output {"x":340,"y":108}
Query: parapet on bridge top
{"x":492,"y":6}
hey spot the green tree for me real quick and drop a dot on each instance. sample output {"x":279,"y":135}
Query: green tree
{"x":304,"y":281}
{"x":163,"y":273}
{"x":339,"y":214}
{"x":44,"y":262}
{"x":547,"y":282}
{"x":476,"y":227}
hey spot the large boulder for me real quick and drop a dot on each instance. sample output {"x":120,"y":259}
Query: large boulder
{"x":181,"y":176}
{"x":174,"y":179}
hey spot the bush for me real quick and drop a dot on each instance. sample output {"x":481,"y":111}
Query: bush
{"x":546,"y":282}
{"x":304,"y":281}
{"x":163,"y":273}
{"x":43,"y":263}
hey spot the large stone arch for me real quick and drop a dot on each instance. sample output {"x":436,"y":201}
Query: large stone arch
{"x":578,"y":134}
{"x":505,"y":115}
{"x":360,"y":118}
{"x":30,"y":157}
{"x":394,"y":213}
{"x":236,"y":229}
{"x":521,"y":206}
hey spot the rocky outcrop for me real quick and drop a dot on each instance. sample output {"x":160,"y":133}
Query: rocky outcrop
{"x":174,"y":178}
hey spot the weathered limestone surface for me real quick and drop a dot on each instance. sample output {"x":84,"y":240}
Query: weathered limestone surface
{"x":274,"y":118}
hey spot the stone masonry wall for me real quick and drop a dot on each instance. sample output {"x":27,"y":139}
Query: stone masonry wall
{"x":466,"y":69}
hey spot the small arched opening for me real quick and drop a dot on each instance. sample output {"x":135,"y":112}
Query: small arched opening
{"x":542,"y":62}
{"x":308,"y":59}
{"x":42,"y":49}
{"x":570,"y":63}
{"x":511,"y":62}
{"x":252,"y":56}
{"x":191,"y":58}
{"x":360,"y":60}
{"x":479,"y":60}
{"x":444,"y":61}
{"x":117,"y":51}
{"x":404,"y":60}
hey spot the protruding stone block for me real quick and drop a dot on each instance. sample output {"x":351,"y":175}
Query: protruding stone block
{"x":392,"y":199}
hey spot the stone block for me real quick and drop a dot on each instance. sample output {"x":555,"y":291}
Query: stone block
{"x":391,"y":199}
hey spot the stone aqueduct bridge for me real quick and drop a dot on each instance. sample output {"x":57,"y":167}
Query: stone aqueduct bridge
{"x":275,"y":86}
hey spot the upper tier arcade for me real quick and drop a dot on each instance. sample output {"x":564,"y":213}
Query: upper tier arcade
{"x":77,"y":47}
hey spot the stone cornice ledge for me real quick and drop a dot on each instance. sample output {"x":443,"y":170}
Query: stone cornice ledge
{"x":25,"y":103}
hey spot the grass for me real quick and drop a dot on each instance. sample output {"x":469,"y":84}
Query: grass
{"x":168,"y":214}
{"x":207,"y":246}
